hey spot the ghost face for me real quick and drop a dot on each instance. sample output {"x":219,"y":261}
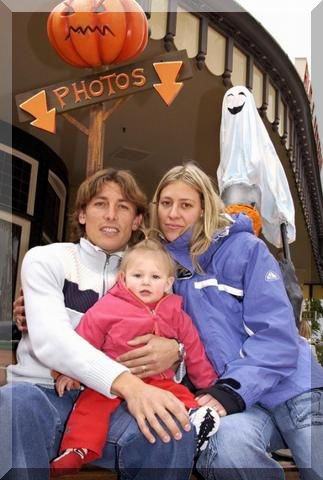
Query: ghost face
{"x":235,"y":102}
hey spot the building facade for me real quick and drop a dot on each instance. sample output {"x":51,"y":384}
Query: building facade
{"x":225,"y":48}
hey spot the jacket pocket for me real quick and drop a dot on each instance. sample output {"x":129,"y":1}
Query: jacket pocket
{"x":307,"y":409}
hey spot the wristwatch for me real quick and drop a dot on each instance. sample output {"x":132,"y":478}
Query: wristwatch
{"x":181,"y":351}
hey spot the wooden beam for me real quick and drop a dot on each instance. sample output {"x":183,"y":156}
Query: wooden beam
{"x":96,"y":139}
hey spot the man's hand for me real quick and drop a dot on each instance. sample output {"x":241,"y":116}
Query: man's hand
{"x":63,"y":383}
{"x":154,"y":355}
{"x":19,"y":312}
{"x":209,"y":401}
{"x":152,"y":407}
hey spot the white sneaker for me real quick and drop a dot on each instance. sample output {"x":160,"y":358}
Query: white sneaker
{"x":206,"y":422}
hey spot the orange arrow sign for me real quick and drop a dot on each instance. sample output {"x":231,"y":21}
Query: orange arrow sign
{"x":37,"y":107}
{"x":168,"y":88}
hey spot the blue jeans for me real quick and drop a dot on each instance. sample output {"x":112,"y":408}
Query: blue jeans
{"x":32,"y":420}
{"x":241,"y":447}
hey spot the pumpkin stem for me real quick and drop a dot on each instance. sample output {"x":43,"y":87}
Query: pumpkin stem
{"x":99,"y":5}
{"x":68,"y":4}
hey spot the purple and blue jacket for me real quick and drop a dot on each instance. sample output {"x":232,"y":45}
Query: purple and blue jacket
{"x":245,"y":320}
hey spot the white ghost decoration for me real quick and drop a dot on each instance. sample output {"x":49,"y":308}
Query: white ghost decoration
{"x":249,"y":158}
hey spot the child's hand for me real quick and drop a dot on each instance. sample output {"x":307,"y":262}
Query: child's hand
{"x":208,"y":401}
{"x":65,"y":383}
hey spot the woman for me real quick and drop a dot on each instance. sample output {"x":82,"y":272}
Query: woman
{"x":269,"y":386}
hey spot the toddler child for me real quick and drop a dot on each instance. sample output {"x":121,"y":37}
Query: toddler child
{"x":138,"y":304}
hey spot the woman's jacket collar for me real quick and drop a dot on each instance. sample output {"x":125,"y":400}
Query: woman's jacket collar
{"x":180,"y":248}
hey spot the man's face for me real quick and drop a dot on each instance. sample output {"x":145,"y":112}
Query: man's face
{"x":109,"y":219}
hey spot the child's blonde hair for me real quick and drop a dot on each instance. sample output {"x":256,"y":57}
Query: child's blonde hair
{"x":152,"y":246}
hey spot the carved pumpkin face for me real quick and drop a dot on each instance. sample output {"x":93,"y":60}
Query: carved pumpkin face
{"x":91,"y":33}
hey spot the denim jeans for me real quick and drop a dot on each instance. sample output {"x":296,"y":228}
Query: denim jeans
{"x":241,"y":447}
{"x":32,"y":420}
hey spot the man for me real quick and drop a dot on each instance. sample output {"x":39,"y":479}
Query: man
{"x":60,"y":282}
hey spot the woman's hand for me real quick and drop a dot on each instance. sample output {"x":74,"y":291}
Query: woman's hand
{"x":63,"y":383}
{"x":154,"y":355}
{"x":19,"y":312}
{"x":209,"y":401}
{"x":152,"y":407}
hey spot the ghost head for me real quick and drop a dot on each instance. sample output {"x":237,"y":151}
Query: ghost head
{"x":240,"y":123}
{"x":250,"y":168}
{"x":235,"y":101}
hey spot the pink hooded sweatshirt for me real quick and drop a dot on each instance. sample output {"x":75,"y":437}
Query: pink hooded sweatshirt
{"x":120,"y":316}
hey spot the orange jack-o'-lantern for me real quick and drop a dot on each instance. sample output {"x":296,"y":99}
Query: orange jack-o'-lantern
{"x":91,"y":33}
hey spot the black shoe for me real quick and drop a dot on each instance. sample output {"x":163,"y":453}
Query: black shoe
{"x":206,"y":422}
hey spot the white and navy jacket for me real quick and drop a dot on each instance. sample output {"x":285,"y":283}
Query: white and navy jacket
{"x":61,"y":281}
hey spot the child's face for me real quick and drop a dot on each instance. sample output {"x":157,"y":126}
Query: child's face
{"x":147,"y":277}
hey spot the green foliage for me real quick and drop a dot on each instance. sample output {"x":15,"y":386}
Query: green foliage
{"x":314,"y":305}
{"x":312,"y":312}
{"x":319,"y":353}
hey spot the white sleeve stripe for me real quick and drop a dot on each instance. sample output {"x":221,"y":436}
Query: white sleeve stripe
{"x":248,"y":330}
{"x":212,"y":282}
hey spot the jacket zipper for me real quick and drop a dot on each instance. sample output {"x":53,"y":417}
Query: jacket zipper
{"x":153,"y":314}
{"x":152,"y":311}
{"x":104,"y":270}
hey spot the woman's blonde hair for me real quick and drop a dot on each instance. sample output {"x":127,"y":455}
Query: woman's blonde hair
{"x":151,"y":246}
{"x":212,"y":205}
{"x":92,"y":185}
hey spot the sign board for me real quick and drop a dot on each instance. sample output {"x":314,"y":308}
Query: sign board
{"x":165,"y":74}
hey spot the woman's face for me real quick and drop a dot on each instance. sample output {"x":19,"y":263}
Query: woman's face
{"x":179,"y":208}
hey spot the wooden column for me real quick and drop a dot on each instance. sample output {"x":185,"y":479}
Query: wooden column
{"x":99,"y":114}
{"x":96,"y":139}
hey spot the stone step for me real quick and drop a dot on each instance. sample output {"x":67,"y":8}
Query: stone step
{"x":95,"y":473}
